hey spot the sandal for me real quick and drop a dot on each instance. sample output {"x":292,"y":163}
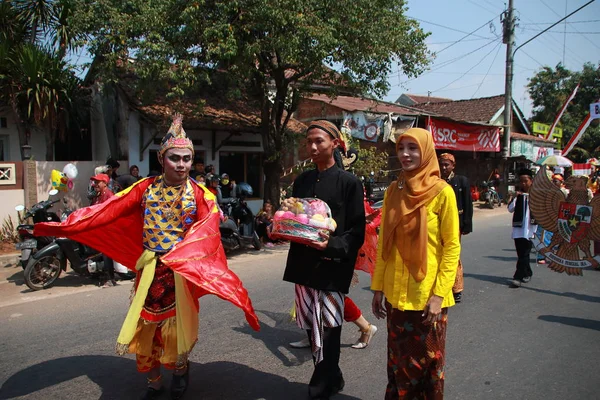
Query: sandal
{"x":180,"y":383}
{"x":365,"y":337}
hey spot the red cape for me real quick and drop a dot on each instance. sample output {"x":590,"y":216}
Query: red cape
{"x":115,"y":229}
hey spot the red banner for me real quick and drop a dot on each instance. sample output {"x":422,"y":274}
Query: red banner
{"x":463,"y":137}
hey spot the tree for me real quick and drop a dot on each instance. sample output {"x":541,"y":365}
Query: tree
{"x":275,"y":50}
{"x":549,"y":89}
{"x":35,"y":80}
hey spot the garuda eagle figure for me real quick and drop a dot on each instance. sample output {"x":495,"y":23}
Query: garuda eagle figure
{"x":573,"y":220}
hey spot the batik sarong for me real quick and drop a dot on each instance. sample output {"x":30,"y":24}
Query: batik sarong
{"x":416,"y":353}
{"x":318,"y":309}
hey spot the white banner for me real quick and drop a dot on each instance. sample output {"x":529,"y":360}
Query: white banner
{"x":595,"y":110}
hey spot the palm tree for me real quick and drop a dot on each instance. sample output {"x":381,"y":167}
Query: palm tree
{"x":35,"y":80}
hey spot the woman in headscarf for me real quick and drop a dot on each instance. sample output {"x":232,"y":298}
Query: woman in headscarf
{"x":417,"y":259}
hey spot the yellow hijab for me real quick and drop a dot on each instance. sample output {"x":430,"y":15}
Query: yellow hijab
{"x":405,"y":222}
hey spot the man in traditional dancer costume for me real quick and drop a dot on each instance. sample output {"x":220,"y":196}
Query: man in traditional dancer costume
{"x":322,"y":273}
{"x":462,"y":191}
{"x":167,"y":229}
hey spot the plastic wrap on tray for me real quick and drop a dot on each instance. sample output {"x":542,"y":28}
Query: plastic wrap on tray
{"x":303,"y":221}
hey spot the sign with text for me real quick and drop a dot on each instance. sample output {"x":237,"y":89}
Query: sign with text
{"x":464,"y":137}
{"x":543,"y":129}
{"x":595,"y":110}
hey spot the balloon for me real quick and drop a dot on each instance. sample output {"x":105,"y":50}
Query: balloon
{"x":70,"y":170}
{"x":70,"y":185}
{"x":58,"y":180}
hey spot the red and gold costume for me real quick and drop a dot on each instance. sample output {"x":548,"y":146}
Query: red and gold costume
{"x":170,"y":236}
{"x":368,"y":252}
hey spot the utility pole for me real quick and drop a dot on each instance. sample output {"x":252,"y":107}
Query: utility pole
{"x":508,"y":21}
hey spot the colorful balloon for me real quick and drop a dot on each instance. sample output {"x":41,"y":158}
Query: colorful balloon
{"x":70,"y":170}
{"x":59,"y":180}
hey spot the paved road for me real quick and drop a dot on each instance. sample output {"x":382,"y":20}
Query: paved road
{"x":536,"y":342}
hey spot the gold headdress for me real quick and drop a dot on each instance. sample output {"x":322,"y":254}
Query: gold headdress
{"x":175,"y":137}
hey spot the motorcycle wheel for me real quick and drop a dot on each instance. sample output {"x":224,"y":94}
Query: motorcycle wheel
{"x":490,"y":203}
{"x":42,"y":273}
{"x":256,"y":242}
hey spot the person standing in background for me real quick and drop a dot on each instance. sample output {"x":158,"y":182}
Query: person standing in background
{"x":464,"y":203}
{"x":524,"y":229}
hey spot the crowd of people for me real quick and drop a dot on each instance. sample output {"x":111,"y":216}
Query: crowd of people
{"x":411,"y":248}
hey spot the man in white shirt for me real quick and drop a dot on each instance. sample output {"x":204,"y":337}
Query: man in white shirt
{"x":524,"y":228}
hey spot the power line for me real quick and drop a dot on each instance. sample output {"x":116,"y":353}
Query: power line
{"x":469,"y":70}
{"x":446,"y":63}
{"x":466,"y":40}
{"x":482,"y":7}
{"x":492,"y":4}
{"x":446,"y":27}
{"x":570,"y":22}
{"x":577,"y":32}
{"x":467,"y":35}
{"x":457,"y":88}
{"x":460,"y":72}
{"x":527,"y":54}
{"x":486,"y":74}
{"x":551,"y":45}
{"x":453,"y":60}
{"x":582,"y":33}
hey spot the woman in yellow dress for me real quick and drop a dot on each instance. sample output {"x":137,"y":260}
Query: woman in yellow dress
{"x":417,"y":260}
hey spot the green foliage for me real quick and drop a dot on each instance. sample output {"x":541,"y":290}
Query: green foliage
{"x":369,"y":159}
{"x":550,"y":88}
{"x":35,"y":80}
{"x":274,"y":50}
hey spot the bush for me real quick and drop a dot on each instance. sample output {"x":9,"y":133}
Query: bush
{"x":9,"y":233}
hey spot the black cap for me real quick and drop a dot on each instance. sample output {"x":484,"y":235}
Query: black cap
{"x":527,"y":172}
{"x":111,"y":162}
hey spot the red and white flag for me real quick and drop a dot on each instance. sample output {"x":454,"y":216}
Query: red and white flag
{"x":577,"y":135}
{"x":582,"y":169}
{"x":561,"y":112}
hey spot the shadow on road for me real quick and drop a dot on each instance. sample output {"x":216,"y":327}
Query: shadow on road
{"x":277,"y":337}
{"x":499,"y":280}
{"x":117,"y":379}
{"x":576,"y":296}
{"x":502,"y":258}
{"x":578,"y":322}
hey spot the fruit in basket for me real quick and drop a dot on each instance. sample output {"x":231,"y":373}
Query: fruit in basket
{"x":279,"y":214}
{"x":288,"y":215}
{"x":302,"y":218}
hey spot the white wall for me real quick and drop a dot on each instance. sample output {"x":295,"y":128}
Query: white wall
{"x":11,"y":199}
{"x":100,"y":148}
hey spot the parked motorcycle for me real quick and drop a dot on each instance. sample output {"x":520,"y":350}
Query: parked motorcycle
{"x":490,"y":195}
{"x":45,"y":265}
{"x":239,"y":229}
{"x":28,"y":243}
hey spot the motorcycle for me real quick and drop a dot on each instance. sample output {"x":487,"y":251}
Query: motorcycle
{"x":490,"y":195}
{"x":45,"y":265}
{"x":239,"y":229}
{"x":28,"y":243}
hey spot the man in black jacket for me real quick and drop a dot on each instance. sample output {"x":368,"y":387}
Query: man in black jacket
{"x":462,"y":190}
{"x":323,"y":272}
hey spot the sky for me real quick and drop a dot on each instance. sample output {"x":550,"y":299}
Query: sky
{"x":474,"y":67}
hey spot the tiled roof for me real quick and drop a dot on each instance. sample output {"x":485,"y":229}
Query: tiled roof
{"x":206,"y":111}
{"x":349,"y":103}
{"x":531,"y":138}
{"x":426,"y":99}
{"x":472,"y":110}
